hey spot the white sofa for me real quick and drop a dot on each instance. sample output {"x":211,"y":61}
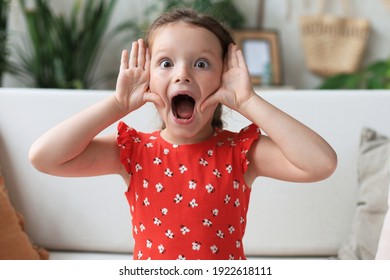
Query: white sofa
{"x":88,"y":218}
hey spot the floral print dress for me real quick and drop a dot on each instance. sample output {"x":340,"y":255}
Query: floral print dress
{"x":187,"y":201}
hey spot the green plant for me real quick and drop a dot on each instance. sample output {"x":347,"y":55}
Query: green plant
{"x":374,"y":76}
{"x":4,"y":51}
{"x":62,"y":51}
{"x":223,"y":10}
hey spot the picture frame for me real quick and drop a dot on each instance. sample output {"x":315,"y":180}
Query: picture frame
{"x":261,"y":51}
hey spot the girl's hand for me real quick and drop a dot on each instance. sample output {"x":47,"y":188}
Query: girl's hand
{"x":132,"y":87}
{"x":236,"y":87}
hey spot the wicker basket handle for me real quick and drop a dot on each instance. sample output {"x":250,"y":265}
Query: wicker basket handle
{"x":346,"y":5}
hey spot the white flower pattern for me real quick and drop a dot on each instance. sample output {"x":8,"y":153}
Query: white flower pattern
{"x":217,"y":211}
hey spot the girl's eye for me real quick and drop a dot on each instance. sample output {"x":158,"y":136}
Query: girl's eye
{"x":166,"y":63}
{"x":202,"y":64}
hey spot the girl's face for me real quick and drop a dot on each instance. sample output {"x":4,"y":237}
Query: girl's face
{"x":186,"y":68}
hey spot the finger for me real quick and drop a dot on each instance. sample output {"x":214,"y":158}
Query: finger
{"x":133,"y":55}
{"x":124,"y":60}
{"x":141,"y":53}
{"x":241,"y":59}
{"x":147,"y":60}
{"x":233,"y":56}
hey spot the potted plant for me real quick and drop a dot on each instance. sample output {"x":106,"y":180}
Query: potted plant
{"x":4,"y":51}
{"x":374,"y":76}
{"x":63,"y":50}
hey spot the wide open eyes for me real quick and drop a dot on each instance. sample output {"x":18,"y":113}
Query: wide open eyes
{"x":201,"y":63}
{"x":166,"y":63}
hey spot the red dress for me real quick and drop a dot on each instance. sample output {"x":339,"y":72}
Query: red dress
{"x":187,"y":201}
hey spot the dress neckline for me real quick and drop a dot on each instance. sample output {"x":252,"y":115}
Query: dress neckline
{"x":210,"y":140}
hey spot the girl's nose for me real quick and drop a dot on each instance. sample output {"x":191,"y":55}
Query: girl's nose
{"x":183,"y":74}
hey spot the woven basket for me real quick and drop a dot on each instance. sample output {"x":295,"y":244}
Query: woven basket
{"x":333,"y":44}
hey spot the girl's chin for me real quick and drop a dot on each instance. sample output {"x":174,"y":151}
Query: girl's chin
{"x":187,"y":131}
{"x":182,"y":127}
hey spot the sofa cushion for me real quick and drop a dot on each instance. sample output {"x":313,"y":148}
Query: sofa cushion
{"x":373,"y":178}
{"x":383,"y":252}
{"x":14,"y":242}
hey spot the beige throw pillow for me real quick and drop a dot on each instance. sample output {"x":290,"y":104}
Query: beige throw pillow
{"x":14,"y":241}
{"x":373,"y":178}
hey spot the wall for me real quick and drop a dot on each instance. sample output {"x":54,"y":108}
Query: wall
{"x":277,"y":16}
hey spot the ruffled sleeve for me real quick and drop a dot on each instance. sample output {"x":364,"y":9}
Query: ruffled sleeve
{"x":245,"y":138}
{"x":125,"y":140}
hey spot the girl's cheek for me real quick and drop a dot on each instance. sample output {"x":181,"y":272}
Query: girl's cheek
{"x":153,"y":82}
{"x":156,"y":85}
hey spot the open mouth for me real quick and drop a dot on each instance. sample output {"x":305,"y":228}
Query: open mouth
{"x":183,"y":106}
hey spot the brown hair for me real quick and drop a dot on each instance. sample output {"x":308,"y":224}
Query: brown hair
{"x":200,"y":20}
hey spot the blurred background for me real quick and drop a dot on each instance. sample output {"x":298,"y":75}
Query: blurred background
{"x":80,"y":41}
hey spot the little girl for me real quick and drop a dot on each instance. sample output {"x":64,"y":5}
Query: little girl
{"x":188,"y":183}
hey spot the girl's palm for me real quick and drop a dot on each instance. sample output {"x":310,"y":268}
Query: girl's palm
{"x":236,"y":87}
{"x":133,"y":79}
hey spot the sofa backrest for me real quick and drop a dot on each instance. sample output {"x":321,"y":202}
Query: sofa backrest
{"x":92,"y":213}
